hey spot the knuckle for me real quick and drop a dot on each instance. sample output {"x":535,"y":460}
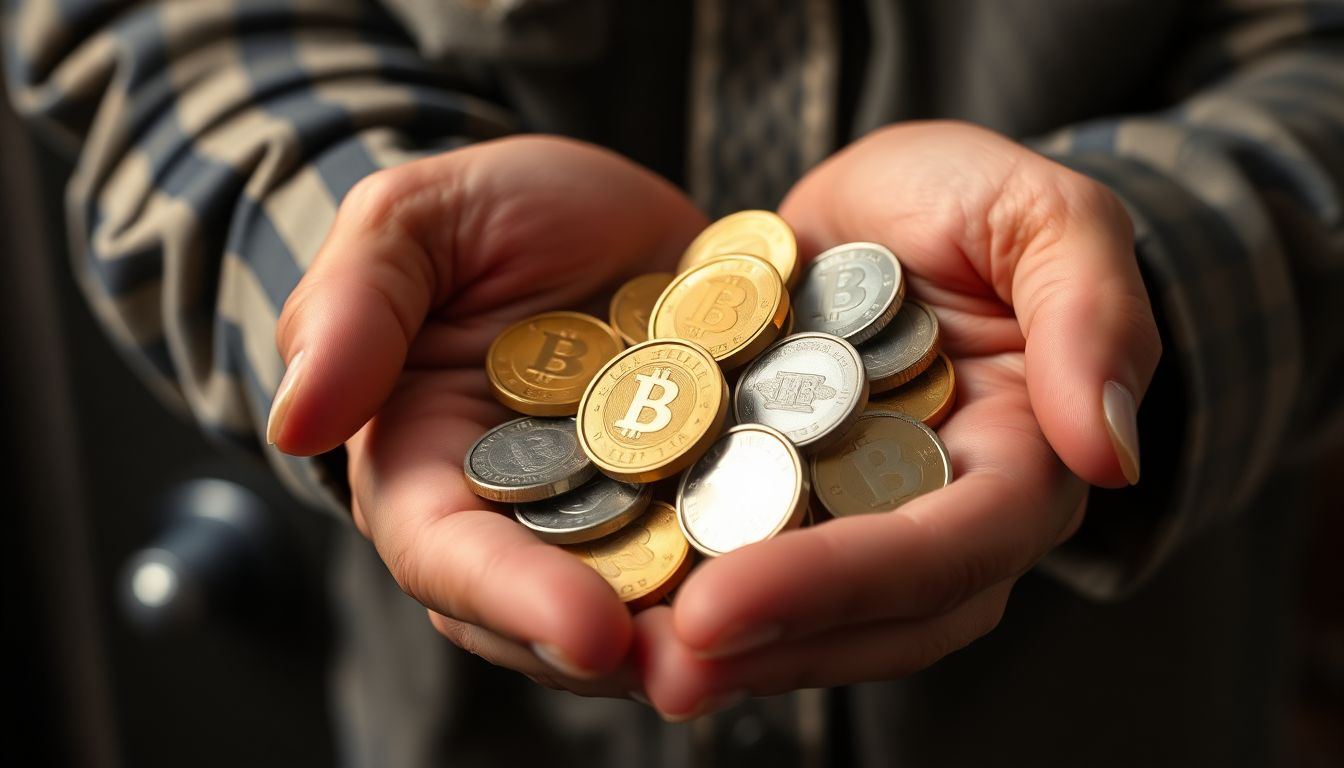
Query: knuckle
{"x":374,"y":199}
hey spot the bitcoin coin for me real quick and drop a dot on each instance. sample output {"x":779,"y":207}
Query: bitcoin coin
{"x":732,"y":306}
{"x":653,"y":410}
{"x":632,"y":306}
{"x":928,"y":397}
{"x":644,"y":561}
{"x":810,"y":386}
{"x":885,"y":460}
{"x":851,"y":291}
{"x":759,"y":233}
{"x":541,"y":365}
{"x":903,"y":350}
{"x":591,"y":511}
{"x":749,"y":486}
{"x":527,"y":459}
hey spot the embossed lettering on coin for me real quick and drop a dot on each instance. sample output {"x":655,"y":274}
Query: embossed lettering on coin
{"x":541,"y":365}
{"x":732,"y":305}
{"x":851,"y":291}
{"x":527,"y":459}
{"x":810,"y":386}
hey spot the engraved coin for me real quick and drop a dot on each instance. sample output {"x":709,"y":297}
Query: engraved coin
{"x":929,"y":397}
{"x":749,"y":486}
{"x":732,"y":306}
{"x":653,"y":410}
{"x":810,"y":386}
{"x":527,"y":459}
{"x":591,"y":511}
{"x":885,"y":460}
{"x":644,"y":561}
{"x":760,"y":233}
{"x":542,"y":364}
{"x":902,"y":350}
{"x":632,"y":306}
{"x":851,"y":291}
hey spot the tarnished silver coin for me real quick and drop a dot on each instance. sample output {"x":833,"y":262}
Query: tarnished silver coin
{"x":810,"y":386}
{"x":748,"y":487}
{"x":851,"y":291}
{"x":903,"y":350}
{"x":591,"y":511}
{"x":527,"y":459}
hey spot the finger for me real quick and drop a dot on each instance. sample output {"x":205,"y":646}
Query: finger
{"x":454,"y":554}
{"x":484,"y":234}
{"x":1009,"y":504}
{"x":502,"y":652}
{"x":681,"y":684}
{"x":1092,"y":342}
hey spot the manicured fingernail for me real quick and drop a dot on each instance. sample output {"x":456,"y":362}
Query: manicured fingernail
{"x":557,"y":660}
{"x":1122,"y":421}
{"x":709,"y":706}
{"x":743,"y":639}
{"x":284,"y":397}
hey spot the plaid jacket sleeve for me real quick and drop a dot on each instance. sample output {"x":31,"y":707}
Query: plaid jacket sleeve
{"x":215,"y":140}
{"x":1236,"y":194}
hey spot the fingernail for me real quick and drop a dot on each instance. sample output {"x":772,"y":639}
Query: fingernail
{"x":709,"y":706}
{"x":557,"y":660}
{"x":1122,"y":421}
{"x":743,"y":639}
{"x":284,"y":397}
{"x":639,"y":697}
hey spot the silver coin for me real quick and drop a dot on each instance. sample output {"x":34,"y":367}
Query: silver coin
{"x":749,"y":486}
{"x":851,"y":291}
{"x":903,"y":350}
{"x":527,"y":459}
{"x":591,"y":511}
{"x":810,"y":386}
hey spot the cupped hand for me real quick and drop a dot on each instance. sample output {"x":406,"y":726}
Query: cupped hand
{"x":385,"y":340}
{"x":1031,"y":270}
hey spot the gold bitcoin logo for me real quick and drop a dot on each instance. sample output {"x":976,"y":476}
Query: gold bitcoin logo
{"x":716,"y":311}
{"x":630,"y":425}
{"x":560,"y":355}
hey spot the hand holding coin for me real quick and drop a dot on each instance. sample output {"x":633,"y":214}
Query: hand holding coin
{"x":386,"y":338}
{"x":1031,"y":272}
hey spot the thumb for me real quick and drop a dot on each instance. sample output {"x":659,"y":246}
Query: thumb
{"x":1091,"y":341}
{"x":346,"y":328}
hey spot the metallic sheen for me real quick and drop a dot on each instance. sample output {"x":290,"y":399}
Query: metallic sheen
{"x":591,"y":511}
{"x":885,"y":460}
{"x":541,"y":365}
{"x":760,"y":233}
{"x":929,"y":397}
{"x":810,"y":386}
{"x":902,"y":350}
{"x":732,"y":306}
{"x":632,"y":305}
{"x":644,"y":561}
{"x":527,"y":459}
{"x":851,"y":291}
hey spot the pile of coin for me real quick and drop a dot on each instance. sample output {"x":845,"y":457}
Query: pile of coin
{"x":623,"y":458}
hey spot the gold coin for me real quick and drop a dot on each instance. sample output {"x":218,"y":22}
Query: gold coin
{"x":929,"y":397}
{"x":787,"y":330}
{"x":644,"y":561}
{"x":541,"y":365}
{"x":632,"y":306}
{"x":732,"y":306}
{"x":885,"y":460}
{"x":902,"y":350}
{"x":759,"y":233}
{"x":653,"y":410}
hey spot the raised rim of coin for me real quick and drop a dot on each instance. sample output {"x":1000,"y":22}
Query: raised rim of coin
{"x":818,"y":460}
{"x":643,"y":592}
{"x":668,"y":463}
{"x":941,"y":409}
{"x":824,"y":434}
{"x":505,"y":385}
{"x":601,"y":505}
{"x":876,"y":315}
{"x":542,"y":481}
{"x":626,"y":295}
{"x":790,"y":517}
{"x":738,"y":350}
{"x":891,"y":358}
{"x":778,"y":237}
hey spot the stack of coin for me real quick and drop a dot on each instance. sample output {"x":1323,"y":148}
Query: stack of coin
{"x":835,"y":419}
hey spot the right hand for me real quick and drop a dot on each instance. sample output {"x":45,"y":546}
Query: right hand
{"x":424,"y":265}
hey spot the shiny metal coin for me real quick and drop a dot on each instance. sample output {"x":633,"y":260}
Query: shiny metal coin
{"x":591,"y":511}
{"x":810,"y":386}
{"x":885,"y":460}
{"x":748,"y":487}
{"x":851,"y":291}
{"x":903,"y":350}
{"x":527,"y":459}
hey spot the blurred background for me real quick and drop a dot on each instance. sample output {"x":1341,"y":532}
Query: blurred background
{"x":165,"y":599}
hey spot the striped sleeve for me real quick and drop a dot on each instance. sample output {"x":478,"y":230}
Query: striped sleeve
{"x":215,"y":140}
{"x":1236,"y":195}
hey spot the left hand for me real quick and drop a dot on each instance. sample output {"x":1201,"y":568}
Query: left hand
{"x":1031,"y":270}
